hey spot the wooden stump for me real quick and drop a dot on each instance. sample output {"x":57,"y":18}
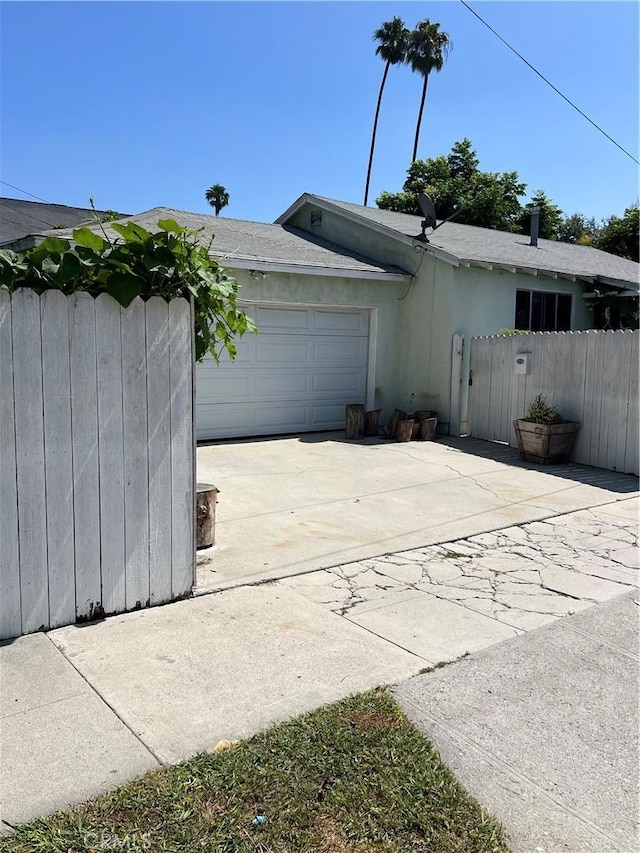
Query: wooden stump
{"x":206,"y":497}
{"x":404,"y":430}
{"x":428,"y":429}
{"x":397,"y":416}
{"x":355,"y":421}
{"x":371,"y":422}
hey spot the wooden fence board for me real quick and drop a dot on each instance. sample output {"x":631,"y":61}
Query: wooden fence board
{"x":612,"y":385}
{"x":110,"y":453}
{"x":593,"y":396}
{"x":159,"y":444}
{"x":29,"y":432}
{"x":56,"y":389}
{"x":622,"y":423}
{"x":631,"y":449}
{"x":136,"y":464}
{"x":86,"y":475}
{"x":10,"y":615}
{"x":182,"y":449}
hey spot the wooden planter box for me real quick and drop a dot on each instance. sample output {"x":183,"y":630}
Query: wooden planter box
{"x":545,"y":443}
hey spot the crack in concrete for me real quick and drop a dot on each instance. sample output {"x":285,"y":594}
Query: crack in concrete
{"x":536,"y":547}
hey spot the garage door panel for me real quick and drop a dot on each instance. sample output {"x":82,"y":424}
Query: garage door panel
{"x":328,"y":416}
{"x":218,"y":420}
{"x":349,"y":383}
{"x":340,"y":351}
{"x":340,"y":321}
{"x":281,"y":417}
{"x":282,"y":350}
{"x":298,"y":374}
{"x":285,"y":319}
{"x":280,"y":385}
{"x":225,"y":385}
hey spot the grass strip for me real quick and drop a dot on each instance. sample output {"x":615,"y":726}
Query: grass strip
{"x":352,"y":777}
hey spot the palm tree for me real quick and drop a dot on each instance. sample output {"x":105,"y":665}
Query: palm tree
{"x":392,"y":37}
{"x":218,"y":197}
{"x":427,"y":51}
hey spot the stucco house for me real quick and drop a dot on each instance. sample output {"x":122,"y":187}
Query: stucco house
{"x":353,"y":306}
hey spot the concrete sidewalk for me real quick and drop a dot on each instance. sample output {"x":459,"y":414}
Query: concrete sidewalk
{"x":543,"y":730}
{"x":85,"y":708}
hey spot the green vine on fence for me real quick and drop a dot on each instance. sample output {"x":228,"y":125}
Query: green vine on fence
{"x":170,"y":263}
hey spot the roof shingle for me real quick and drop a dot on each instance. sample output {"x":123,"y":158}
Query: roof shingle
{"x":472,"y":244}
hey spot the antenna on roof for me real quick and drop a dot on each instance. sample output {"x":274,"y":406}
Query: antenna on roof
{"x":428,"y":208}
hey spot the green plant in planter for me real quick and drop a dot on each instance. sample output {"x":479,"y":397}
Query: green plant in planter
{"x":170,"y":263}
{"x":540,"y":412}
{"x":543,"y":435}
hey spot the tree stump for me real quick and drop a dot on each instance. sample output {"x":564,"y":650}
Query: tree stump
{"x":371,"y":422}
{"x":397,"y":416}
{"x":404,"y":430}
{"x":355,"y":421}
{"x":206,"y":497}
{"x":428,"y":429}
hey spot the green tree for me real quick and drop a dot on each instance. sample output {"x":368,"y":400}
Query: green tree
{"x":427,"y":51}
{"x":578,"y":228}
{"x":550,"y":216}
{"x":218,"y":197}
{"x":392,"y":39}
{"x":619,"y":235}
{"x":486,"y":199}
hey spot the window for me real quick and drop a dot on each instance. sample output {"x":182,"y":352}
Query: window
{"x":537,"y":311}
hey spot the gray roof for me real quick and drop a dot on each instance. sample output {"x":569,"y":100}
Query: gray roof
{"x":261,"y":243}
{"x":20,"y":218}
{"x":484,"y":246}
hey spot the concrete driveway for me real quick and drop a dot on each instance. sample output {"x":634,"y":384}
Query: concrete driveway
{"x":300,"y":503}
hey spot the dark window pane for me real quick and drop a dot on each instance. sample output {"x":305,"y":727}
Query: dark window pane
{"x":536,"y":312}
{"x":564,"y":312}
{"x":523,"y":299}
{"x":548,"y":312}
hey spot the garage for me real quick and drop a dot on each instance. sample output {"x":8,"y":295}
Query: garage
{"x":296,"y":375}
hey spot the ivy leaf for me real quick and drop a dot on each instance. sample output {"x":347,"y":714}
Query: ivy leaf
{"x":54,"y":245}
{"x":69,"y":268}
{"x":131,"y":232}
{"x":123,"y":288}
{"x":50,"y":267}
{"x":171,"y":226}
{"x":89,"y":239}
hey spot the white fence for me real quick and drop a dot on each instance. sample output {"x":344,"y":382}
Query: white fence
{"x":591,"y":377}
{"x":97,"y":457}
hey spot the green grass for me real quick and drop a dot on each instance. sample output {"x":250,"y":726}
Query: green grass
{"x":355,"y":776}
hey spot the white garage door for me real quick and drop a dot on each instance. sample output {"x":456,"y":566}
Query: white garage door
{"x":296,"y":375}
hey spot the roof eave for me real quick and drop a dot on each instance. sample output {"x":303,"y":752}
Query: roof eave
{"x":263,"y":265}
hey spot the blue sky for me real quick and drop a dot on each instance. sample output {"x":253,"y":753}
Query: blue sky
{"x":147,"y":104}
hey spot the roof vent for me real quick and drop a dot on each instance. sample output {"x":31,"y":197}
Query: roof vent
{"x":316,"y":217}
{"x":535,"y":225}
